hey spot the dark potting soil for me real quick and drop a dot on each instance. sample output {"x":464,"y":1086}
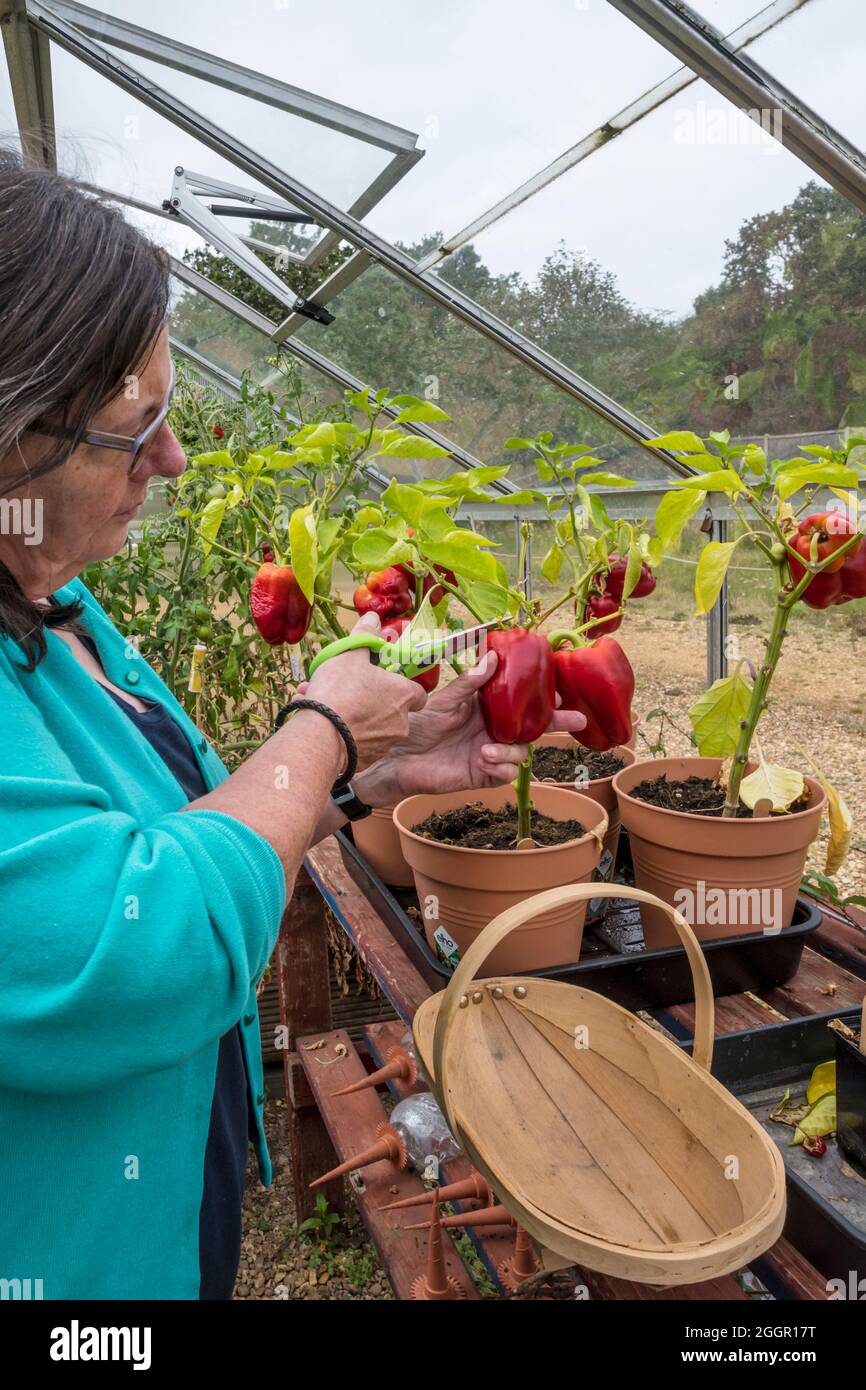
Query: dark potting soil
{"x":562,"y":764}
{"x":700,"y":796}
{"x":478,"y":827}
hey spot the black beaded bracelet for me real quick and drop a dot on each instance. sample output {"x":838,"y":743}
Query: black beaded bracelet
{"x":342,"y":729}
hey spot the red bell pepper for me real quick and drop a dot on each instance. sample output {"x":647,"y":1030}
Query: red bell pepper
{"x":600,"y":606}
{"x":829,"y":531}
{"x":389,"y":593}
{"x":597,"y":680}
{"x":428,"y":679}
{"x":614,"y":582}
{"x":838,"y":584}
{"x":280,"y":610}
{"x":519,"y":699}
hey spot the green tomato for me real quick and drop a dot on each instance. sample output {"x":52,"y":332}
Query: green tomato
{"x":204,"y":632}
{"x":216,"y":490}
{"x":778,"y":551}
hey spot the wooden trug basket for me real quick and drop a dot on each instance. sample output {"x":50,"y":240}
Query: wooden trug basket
{"x":606,"y":1141}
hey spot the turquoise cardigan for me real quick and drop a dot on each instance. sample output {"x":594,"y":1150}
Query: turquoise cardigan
{"x":131,"y":939}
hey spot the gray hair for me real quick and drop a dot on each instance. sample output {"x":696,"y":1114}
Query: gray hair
{"x":83,"y":296}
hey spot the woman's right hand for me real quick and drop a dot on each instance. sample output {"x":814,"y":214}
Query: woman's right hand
{"x":375,"y":704}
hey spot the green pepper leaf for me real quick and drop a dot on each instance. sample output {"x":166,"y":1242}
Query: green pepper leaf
{"x":407,"y":501}
{"x":633,"y":568}
{"x":679,"y":442}
{"x":468,"y":561}
{"x":604,"y":479}
{"x":210,"y":521}
{"x":376,"y":549}
{"x":409,"y":446}
{"x":791,"y":480}
{"x":221,"y":459}
{"x":674,"y":510}
{"x":716,"y":716}
{"x":416,"y":412}
{"x":710,"y":574}
{"x":721,"y":480}
{"x":491,"y":600}
{"x":304,"y":550}
{"x":552,"y":564}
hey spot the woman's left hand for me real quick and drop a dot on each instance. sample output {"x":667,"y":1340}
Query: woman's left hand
{"x":448,"y":748}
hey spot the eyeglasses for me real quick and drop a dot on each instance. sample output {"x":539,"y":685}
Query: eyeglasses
{"x":136,"y":445}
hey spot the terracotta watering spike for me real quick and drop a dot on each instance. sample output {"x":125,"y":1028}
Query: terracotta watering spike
{"x":437,"y":1283}
{"x":399,"y":1066}
{"x":521,"y":1264}
{"x":485,"y":1216}
{"x":388,"y":1145}
{"x":468,"y":1188}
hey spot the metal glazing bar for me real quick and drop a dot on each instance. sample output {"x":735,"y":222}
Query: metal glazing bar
{"x":391,"y":257}
{"x":28,"y":58}
{"x":651,"y":100}
{"x":717,"y":618}
{"x":754,"y":90}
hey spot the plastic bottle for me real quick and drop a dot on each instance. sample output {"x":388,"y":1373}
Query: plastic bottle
{"x":424,"y":1130}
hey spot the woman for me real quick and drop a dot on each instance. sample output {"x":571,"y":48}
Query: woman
{"x":141,"y":886}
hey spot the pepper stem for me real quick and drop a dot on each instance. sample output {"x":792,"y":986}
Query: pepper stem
{"x":758,"y":701}
{"x":524,"y":801}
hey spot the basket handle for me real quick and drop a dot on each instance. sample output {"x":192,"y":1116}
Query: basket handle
{"x":497,"y":929}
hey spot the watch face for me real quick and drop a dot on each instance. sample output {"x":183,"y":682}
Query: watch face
{"x":350,"y":804}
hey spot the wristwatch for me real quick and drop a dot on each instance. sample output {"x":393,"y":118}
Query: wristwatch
{"x":350,"y":804}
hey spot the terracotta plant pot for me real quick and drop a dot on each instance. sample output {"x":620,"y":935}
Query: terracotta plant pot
{"x":600,"y":789}
{"x":464,"y":888}
{"x":377,"y":839}
{"x":727,"y":876}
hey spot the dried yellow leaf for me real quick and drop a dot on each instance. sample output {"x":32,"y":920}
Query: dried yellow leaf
{"x":781,"y":786}
{"x":841,"y":823}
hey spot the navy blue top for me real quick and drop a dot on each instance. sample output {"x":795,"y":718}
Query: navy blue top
{"x":225,"y":1161}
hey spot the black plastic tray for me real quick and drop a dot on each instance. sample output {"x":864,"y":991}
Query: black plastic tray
{"x":613,"y":960}
{"x":826,"y":1217}
{"x":851,"y":1099}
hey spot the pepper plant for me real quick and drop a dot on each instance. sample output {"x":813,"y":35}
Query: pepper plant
{"x":818,"y":559}
{"x":606,"y":561}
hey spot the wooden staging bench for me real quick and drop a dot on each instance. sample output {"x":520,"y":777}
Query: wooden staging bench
{"x":324,"y":1132}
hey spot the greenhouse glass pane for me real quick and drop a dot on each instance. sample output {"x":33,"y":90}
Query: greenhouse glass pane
{"x":336,"y":165}
{"x":215,"y":333}
{"x":666,"y":642}
{"x":107,"y":137}
{"x":8,"y":123}
{"x":684,"y":271}
{"x":725,"y":15}
{"x":493,"y":93}
{"x":389,"y":334}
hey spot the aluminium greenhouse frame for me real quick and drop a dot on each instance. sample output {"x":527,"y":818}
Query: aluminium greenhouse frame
{"x":31,"y":25}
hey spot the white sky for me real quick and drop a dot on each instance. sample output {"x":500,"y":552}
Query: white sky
{"x":495,"y":89}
